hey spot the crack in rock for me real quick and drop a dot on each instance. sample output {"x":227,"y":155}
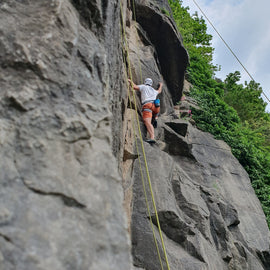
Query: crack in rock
{"x":68,"y":201}
{"x":6,"y":238}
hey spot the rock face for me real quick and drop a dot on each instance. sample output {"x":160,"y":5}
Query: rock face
{"x":209,"y":215}
{"x":152,"y":17}
{"x":208,"y":211}
{"x":61,"y":194}
{"x":71,"y":195}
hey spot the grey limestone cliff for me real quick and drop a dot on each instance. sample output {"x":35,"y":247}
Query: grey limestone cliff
{"x":61,"y":196}
{"x":71,"y":196}
{"x":209,"y":214}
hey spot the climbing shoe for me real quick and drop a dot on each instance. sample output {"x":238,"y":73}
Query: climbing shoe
{"x":150,"y":141}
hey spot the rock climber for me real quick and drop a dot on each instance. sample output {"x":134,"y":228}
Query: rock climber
{"x":150,"y":105}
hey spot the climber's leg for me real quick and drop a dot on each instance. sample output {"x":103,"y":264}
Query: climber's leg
{"x":149,"y":127}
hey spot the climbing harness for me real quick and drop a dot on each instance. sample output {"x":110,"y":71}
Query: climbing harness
{"x":124,"y":41}
{"x":148,"y":101}
{"x":156,"y":102}
{"x":146,"y":110}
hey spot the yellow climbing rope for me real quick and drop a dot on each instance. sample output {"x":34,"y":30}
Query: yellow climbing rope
{"x":140,"y":165}
{"x":124,"y":40}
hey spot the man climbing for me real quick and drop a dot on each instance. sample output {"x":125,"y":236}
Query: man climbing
{"x":149,"y":109}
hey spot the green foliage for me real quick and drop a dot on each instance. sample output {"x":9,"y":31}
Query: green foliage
{"x":165,"y":11}
{"x":230,"y":111}
{"x":245,"y":99}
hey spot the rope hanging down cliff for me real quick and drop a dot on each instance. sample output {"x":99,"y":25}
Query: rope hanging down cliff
{"x":143,"y":151}
{"x":226,"y":44}
{"x":136,"y":144}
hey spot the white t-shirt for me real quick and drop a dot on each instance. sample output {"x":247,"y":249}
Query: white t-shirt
{"x":148,"y":93}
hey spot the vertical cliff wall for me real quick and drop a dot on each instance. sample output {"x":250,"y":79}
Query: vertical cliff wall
{"x":209,"y":214}
{"x":70,"y":188}
{"x":61,"y":194}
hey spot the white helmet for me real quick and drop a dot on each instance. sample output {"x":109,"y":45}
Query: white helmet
{"x":148,"y":81}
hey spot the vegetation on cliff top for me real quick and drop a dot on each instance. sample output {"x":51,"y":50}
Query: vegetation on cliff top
{"x":231,"y":111}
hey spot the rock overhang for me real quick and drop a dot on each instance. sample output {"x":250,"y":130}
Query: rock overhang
{"x":172,"y":55}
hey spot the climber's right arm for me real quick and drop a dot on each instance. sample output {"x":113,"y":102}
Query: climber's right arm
{"x":133,"y":85}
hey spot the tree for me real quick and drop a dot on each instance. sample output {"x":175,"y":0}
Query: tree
{"x":245,"y":99}
{"x":230,"y":111}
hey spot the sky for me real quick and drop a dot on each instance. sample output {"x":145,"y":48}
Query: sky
{"x":245,"y":26}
